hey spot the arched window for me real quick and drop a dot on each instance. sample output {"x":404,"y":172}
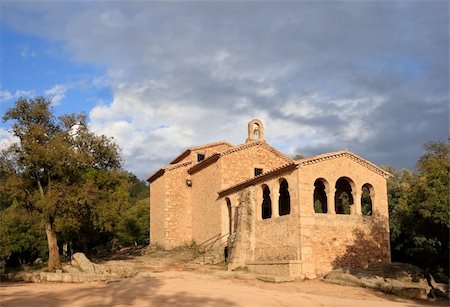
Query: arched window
{"x":266,"y":203}
{"x":284,"y":200}
{"x":343,"y":197}
{"x":229,"y":214}
{"x":366,"y":199}
{"x":320,"y":197}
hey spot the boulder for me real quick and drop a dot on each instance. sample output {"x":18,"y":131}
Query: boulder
{"x":114,"y":268}
{"x":397,"y":278}
{"x":83,"y":263}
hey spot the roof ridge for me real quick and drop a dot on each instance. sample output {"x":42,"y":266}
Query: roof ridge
{"x":248,"y":182}
{"x":344,"y":153}
{"x":178,"y":165}
{"x":187,"y":151}
{"x":169,"y":167}
{"x":208,"y":145}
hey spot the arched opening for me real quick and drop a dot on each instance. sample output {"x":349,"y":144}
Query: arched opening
{"x":229,"y":215}
{"x":343,"y":197}
{"x":266,"y":204}
{"x":366,"y":199}
{"x":284,"y":200}
{"x":255,"y":130}
{"x":320,"y":197}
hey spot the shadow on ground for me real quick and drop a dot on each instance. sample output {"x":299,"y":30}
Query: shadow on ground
{"x":129,"y":292}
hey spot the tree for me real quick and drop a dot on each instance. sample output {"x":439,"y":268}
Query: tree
{"x":59,"y":169}
{"x":419,"y":206}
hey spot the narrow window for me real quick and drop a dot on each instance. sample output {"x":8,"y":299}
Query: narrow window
{"x":320,"y":197}
{"x":200,"y":157}
{"x":284,"y":200}
{"x":366,"y":199}
{"x":266,"y":204}
{"x":258,"y":171}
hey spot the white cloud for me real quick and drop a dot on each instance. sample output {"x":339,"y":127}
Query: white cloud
{"x":57,"y":92}
{"x":320,"y":76}
{"x":7,"y":139}
{"x":6,"y":96}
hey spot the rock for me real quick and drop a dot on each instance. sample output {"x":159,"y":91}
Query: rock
{"x":38,"y":261}
{"x":71,"y":269}
{"x":397,"y":278}
{"x":81,"y":261}
{"x":114,"y":268}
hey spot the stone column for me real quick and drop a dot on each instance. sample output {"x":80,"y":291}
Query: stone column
{"x":356,"y":202}
{"x":331,"y":208}
{"x":274,"y":195}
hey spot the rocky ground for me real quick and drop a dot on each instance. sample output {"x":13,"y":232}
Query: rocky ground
{"x":153,"y":277}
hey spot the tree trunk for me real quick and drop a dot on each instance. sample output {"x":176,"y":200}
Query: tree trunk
{"x":53,"y":250}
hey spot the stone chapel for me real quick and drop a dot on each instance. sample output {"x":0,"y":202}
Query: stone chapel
{"x":274,"y":215}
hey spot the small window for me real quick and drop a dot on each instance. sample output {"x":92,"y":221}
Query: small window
{"x":258,"y":171}
{"x":200,"y":157}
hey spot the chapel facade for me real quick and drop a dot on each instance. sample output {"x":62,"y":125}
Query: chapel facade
{"x":274,"y":215}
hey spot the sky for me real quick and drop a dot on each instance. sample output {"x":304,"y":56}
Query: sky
{"x":159,"y":77}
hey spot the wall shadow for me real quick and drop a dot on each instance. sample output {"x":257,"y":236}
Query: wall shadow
{"x":371,"y":245}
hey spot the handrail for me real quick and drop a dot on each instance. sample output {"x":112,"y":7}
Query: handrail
{"x":212,"y":238}
{"x":209,"y":245}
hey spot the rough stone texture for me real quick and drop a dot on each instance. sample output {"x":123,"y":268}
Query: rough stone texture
{"x":398,"y":278}
{"x":243,"y":241}
{"x":62,"y":277}
{"x":316,"y":242}
{"x":84,"y":264}
{"x":291,"y":268}
{"x":81,"y":263}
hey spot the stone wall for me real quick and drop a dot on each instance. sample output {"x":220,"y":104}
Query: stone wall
{"x":157,"y":211}
{"x":178,"y":208}
{"x":206,"y":213}
{"x":330,"y":240}
{"x":206,"y":151}
{"x":277,"y":238}
{"x":240,"y":165}
{"x":343,"y":241}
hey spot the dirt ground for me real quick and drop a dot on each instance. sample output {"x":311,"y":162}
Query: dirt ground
{"x":182,"y":288}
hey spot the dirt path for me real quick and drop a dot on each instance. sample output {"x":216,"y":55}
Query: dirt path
{"x":193,"y":289}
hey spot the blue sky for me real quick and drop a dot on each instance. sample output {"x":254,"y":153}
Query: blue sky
{"x":370,"y":76}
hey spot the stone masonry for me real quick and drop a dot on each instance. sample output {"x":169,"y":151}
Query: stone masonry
{"x":308,"y":216}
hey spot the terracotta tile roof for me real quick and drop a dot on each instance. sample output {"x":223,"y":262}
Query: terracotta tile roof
{"x":188,"y":151}
{"x":170,"y":167}
{"x":213,"y":158}
{"x":259,"y":178}
{"x":347,"y":154}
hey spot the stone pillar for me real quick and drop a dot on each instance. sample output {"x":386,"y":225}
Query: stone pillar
{"x":331,"y":208}
{"x":274,"y":195}
{"x":355,"y":209}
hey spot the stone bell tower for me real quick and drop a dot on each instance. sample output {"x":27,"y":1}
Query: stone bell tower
{"x":255,"y":131}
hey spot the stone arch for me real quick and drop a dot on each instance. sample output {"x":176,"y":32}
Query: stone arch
{"x":284,"y":199}
{"x":367,"y":195}
{"x":343,"y":197}
{"x":321,"y":187}
{"x":255,"y":130}
{"x":266,"y":206}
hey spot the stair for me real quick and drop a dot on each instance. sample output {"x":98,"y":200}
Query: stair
{"x":215,"y":256}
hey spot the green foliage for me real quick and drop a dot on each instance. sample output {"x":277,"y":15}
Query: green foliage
{"x":134,"y":225}
{"x":419,"y":206}
{"x":318,"y":206}
{"x":23,"y":239}
{"x":343,"y":205}
{"x":366,"y":201}
{"x":63,"y":178}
